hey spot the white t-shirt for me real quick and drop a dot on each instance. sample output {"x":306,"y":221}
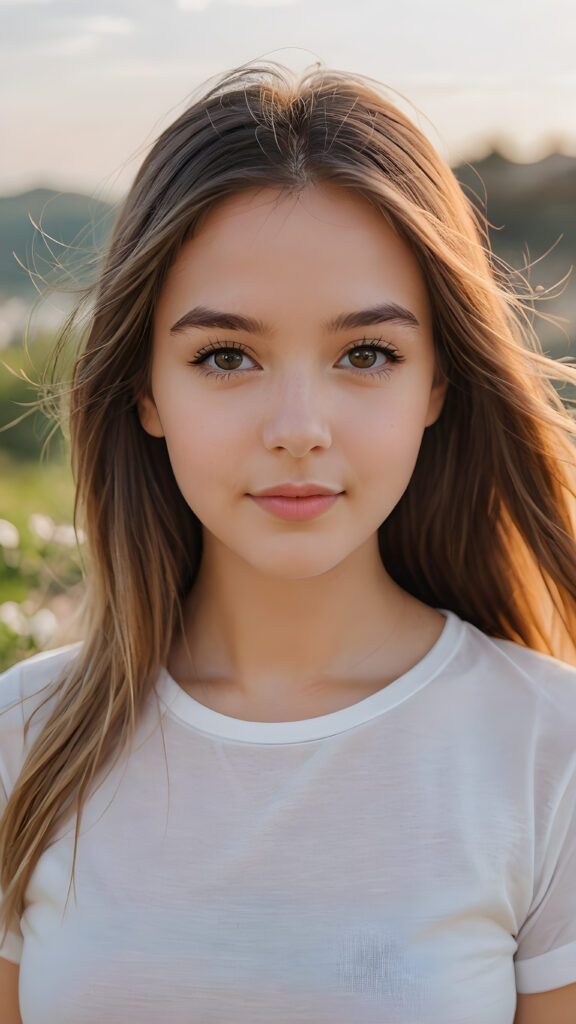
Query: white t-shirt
{"x":410,"y":858}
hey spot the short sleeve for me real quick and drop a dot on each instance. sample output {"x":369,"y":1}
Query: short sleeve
{"x":546,"y":953}
{"x":22,"y":687}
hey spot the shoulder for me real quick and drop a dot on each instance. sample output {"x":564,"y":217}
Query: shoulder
{"x":534,"y":694}
{"x":30,"y":677}
{"x":538,"y":674}
{"x":547,"y":678}
{"x":22,"y":689}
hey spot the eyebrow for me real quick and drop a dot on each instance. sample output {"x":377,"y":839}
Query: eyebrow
{"x":384,"y":312}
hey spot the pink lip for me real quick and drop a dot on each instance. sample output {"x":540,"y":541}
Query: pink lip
{"x":296,"y":509}
{"x":293,"y":490}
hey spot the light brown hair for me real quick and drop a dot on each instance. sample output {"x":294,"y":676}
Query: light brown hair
{"x":484,"y":527}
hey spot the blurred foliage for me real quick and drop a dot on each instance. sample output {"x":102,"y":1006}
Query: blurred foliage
{"x":40,"y":575}
{"x":42,"y":566}
{"x":22,"y":370}
{"x":40,"y":563}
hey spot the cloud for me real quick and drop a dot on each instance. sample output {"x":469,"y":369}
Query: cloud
{"x":193,"y":5}
{"x":109,"y":26}
{"x":67,"y":46}
{"x":55,"y":34}
{"x":504,"y":82}
{"x":201,"y":5}
{"x":260,"y":3}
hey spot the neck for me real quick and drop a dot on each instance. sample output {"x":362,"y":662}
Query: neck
{"x":266,"y":639}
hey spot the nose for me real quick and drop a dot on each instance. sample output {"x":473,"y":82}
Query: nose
{"x":295,"y":419}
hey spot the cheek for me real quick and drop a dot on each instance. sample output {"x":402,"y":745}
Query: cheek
{"x":389,"y":434}
{"x":391,"y":467}
{"x":387,"y":445}
{"x":203,"y":446}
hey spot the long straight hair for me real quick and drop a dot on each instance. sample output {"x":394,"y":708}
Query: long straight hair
{"x":485,"y":526}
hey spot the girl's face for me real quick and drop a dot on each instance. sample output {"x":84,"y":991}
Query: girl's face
{"x":262,"y":374}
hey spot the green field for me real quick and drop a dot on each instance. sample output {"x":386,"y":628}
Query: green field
{"x":40,"y":563}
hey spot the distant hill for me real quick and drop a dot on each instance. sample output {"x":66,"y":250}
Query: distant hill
{"x":71,"y":228}
{"x":530,"y":205}
{"x":532,"y":209}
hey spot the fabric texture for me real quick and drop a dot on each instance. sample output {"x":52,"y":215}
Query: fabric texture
{"x":410,"y":858}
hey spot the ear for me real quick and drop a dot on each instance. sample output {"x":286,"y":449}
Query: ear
{"x":437,"y":396}
{"x":148,"y":416}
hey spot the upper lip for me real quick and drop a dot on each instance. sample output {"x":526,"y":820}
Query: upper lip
{"x":290,"y":490}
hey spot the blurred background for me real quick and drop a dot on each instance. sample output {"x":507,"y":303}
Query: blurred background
{"x":87,"y":85}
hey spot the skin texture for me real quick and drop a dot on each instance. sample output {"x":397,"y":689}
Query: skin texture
{"x":9,"y":1009}
{"x":555,"y":1007}
{"x":294,"y":617}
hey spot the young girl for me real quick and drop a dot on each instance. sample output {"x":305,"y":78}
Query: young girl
{"x":314,"y":760}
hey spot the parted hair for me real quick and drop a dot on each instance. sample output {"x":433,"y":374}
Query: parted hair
{"x":485,"y":527}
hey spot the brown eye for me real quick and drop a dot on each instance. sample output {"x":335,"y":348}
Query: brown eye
{"x":227,"y":359}
{"x":366,"y":357}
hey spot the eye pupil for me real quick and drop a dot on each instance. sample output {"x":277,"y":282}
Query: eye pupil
{"x":226,"y":355}
{"x":365,"y":353}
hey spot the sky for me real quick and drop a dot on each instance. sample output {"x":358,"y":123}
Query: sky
{"x":87,"y":85}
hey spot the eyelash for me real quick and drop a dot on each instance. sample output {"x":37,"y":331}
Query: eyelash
{"x":377,"y":344}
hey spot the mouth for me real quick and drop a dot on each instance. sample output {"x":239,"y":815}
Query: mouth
{"x":297,"y":490}
{"x":297,"y":508}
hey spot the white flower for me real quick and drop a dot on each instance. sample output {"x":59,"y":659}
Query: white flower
{"x":43,"y":526}
{"x":43,"y":625}
{"x":12,"y":616}
{"x":65,"y":535}
{"x":46,"y":529}
{"x":9,"y":536}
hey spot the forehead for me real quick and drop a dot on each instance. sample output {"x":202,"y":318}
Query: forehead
{"x":324,"y":247}
{"x":327,"y":203}
{"x":317,"y":215}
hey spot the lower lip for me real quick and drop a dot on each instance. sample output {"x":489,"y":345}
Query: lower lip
{"x":297,"y":509}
